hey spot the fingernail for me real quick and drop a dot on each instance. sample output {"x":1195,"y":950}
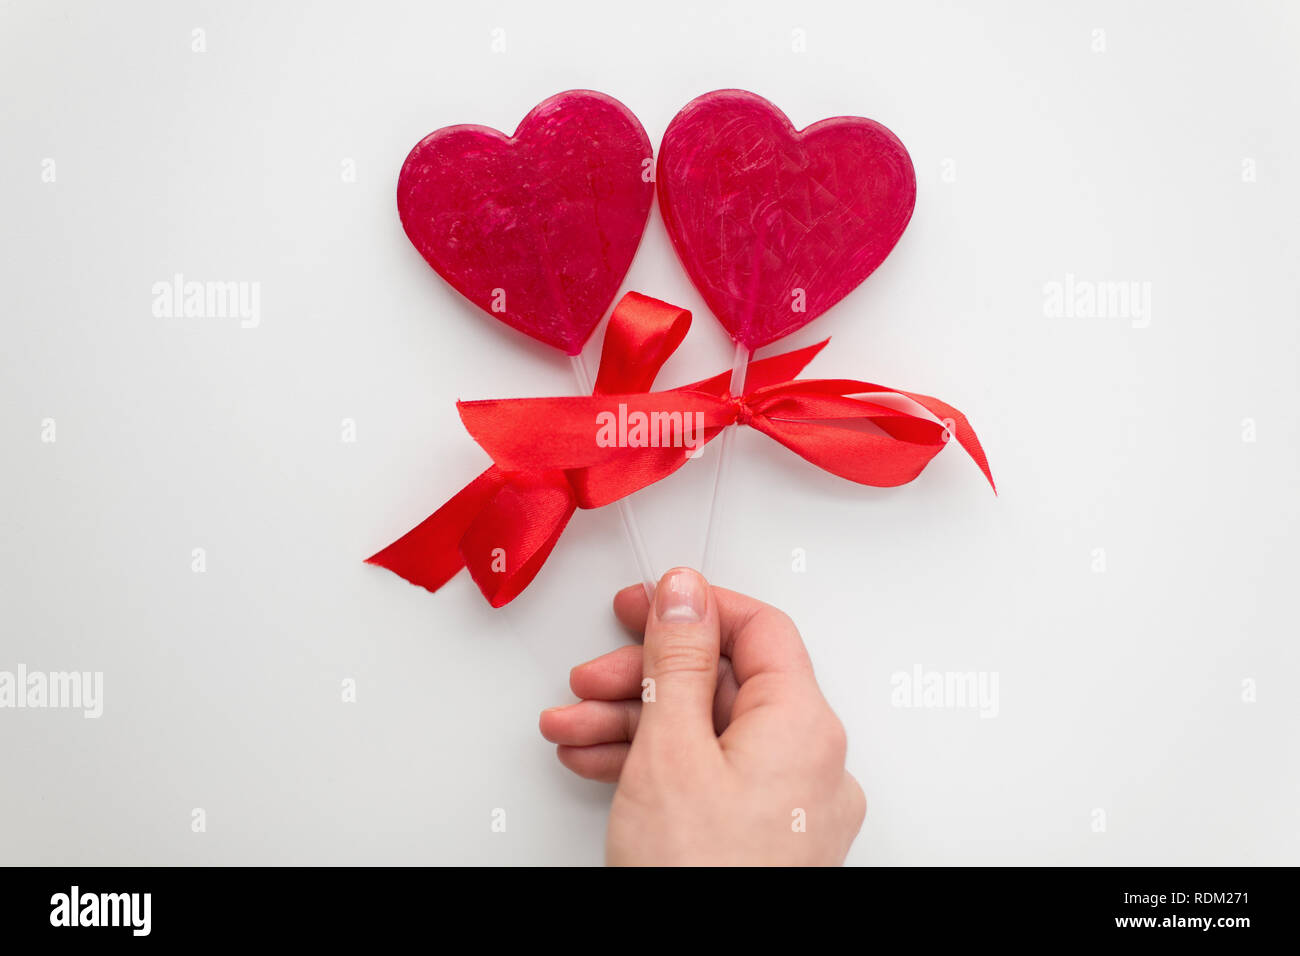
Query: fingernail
{"x":682,"y":596}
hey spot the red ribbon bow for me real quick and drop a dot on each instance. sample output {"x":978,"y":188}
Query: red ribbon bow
{"x":553,"y":455}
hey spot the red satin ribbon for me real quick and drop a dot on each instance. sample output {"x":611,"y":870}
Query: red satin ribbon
{"x":548,"y":458}
{"x":502,"y":526}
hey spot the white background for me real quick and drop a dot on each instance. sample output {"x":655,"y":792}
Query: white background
{"x":1120,"y":691}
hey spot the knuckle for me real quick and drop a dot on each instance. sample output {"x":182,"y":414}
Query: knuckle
{"x":773,"y":618}
{"x":857,"y":800}
{"x":680,"y":655}
{"x":832,"y":738}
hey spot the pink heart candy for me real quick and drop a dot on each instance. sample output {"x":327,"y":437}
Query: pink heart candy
{"x":775,"y":225}
{"x":537,"y":229}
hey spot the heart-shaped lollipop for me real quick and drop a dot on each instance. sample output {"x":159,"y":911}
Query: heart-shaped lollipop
{"x":775,"y":225}
{"x":537,"y":229}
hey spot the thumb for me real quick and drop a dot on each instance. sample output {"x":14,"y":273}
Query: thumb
{"x":680,"y":663}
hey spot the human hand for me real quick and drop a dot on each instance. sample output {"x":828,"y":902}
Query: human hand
{"x":724,"y":750}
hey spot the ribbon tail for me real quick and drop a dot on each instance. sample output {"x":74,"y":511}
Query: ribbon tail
{"x":513,"y":534}
{"x":961,"y":429}
{"x":429,"y":554}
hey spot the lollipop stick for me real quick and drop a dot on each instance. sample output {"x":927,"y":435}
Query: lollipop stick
{"x":739,"y":365}
{"x":630,"y":527}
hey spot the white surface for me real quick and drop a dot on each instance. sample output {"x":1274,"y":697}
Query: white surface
{"x":1119,"y":690}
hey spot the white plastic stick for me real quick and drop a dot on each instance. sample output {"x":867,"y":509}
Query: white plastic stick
{"x":739,"y":366}
{"x":648,"y":577}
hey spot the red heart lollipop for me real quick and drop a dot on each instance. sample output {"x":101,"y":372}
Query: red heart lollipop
{"x":776,"y":225}
{"x":537,"y":229}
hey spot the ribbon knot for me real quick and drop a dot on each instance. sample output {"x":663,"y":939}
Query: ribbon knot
{"x":744,"y":414}
{"x":553,"y":455}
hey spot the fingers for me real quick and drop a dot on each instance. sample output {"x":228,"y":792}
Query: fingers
{"x":611,"y":712}
{"x":724,"y":696}
{"x":756,"y":636}
{"x":591,"y":722}
{"x":632,"y":607}
{"x":680,"y":661}
{"x":617,"y":676}
{"x":603,"y":762}
{"x":612,"y":676}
